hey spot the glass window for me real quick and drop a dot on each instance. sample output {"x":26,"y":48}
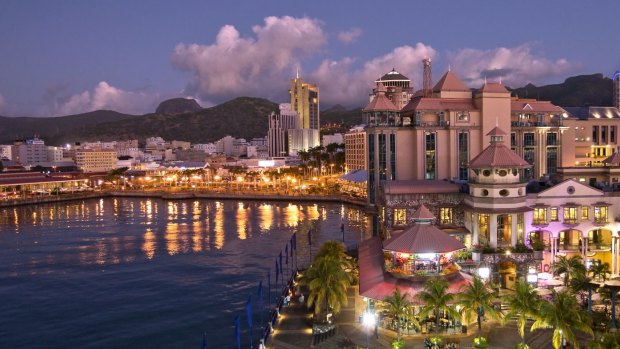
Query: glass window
{"x":584,"y":213}
{"x":552,"y":159}
{"x":382,"y":157}
{"x":600,"y":214}
{"x":570,"y":215}
{"x":552,"y":138}
{"x":594,"y":134}
{"x":504,"y":229}
{"x":393,"y":156}
{"x":528,"y":139}
{"x":540,"y":216}
{"x":554,"y":214}
{"x":463,"y":143}
{"x":445,"y":215}
{"x":400,"y":216}
{"x":520,"y":227}
{"x":483,"y":228}
{"x":430,"y":165}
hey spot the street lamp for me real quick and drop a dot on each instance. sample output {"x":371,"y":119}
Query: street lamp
{"x":369,"y":321}
{"x":484,"y":272}
{"x":532,"y":276}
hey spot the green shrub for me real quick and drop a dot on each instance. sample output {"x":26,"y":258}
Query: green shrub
{"x":398,"y":344}
{"x":480,"y":342}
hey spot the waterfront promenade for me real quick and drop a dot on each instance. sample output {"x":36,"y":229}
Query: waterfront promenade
{"x":188,"y":194}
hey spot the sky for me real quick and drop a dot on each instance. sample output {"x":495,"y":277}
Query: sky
{"x":72,"y":56}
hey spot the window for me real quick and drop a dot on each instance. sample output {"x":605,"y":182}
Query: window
{"x":382,"y":157}
{"x":600,"y":214}
{"x":540,"y":216}
{"x":594,"y":134}
{"x":371,"y":168}
{"x":393,"y":156}
{"x":462,"y":116}
{"x":603,"y":134}
{"x":520,"y":227}
{"x":584,"y":213}
{"x":483,"y":228}
{"x":612,"y":134}
{"x":554,"y":214}
{"x":552,"y":159}
{"x":570,"y":215}
{"x":445,"y":215}
{"x":430,"y":149}
{"x":552,"y":138}
{"x":504,"y":229}
{"x":463,"y":143}
{"x":528,"y":139}
{"x":513,"y":139}
{"x":400,"y":216}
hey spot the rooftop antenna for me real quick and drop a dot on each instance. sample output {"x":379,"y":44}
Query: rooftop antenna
{"x":297,"y":75}
{"x":427,"y":79}
{"x":449,"y":67}
{"x":496,"y":122}
{"x":500,"y":80}
{"x":485,"y":79}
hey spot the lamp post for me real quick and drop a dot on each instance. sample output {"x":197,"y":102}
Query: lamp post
{"x":532,"y":277}
{"x":369,"y":321}
{"x":484,"y":272}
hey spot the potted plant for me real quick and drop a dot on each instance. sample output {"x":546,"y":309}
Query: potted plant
{"x":521,"y":248}
{"x":538,"y":246}
{"x":476,"y":251}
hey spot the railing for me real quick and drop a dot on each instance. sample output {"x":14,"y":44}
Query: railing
{"x":529,"y":143}
{"x":571,"y":221}
{"x":540,"y":222}
{"x":601,"y":221}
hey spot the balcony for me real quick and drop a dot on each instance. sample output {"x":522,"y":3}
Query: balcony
{"x":553,"y":142}
{"x":600,"y":221}
{"x":571,"y":222}
{"x":568,"y":247}
{"x":529,"y":143}
{"x":540,"y":222}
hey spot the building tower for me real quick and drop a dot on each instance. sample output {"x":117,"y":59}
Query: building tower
{"x":305,"y":101}
{"x":398,"y":88}
{"x":427,"y":80}
{"x":616,"y":95}
{"x":279,"y":127}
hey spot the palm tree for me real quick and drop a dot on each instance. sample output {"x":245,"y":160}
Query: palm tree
{"x":565,"y":316}
{"x":477,"y":298}
{"x":600,"y":271}
{"x":328,"y":278}
{"x":568,"y":266}
{"x":436,"y":299}
{"x":523,"y":304}
{"x":397,"y":305}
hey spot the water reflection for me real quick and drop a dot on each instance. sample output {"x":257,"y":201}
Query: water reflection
{"x":124,"y":230}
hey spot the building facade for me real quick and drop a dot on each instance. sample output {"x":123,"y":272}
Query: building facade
{"x":355,"y":149}
{"x":279,"y":126}
{"x":92,"y":160}
{"x":305,"y":101}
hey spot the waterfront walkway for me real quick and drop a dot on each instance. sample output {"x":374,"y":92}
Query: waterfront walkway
{"x":294,"y":331}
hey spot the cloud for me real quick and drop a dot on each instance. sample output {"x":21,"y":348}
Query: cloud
{"x":340,"y":82}
{"x":515,"y":66}
{"x":350,"y":36}
{"x":106,"y":96}
{"x":258,"y":65}
{"x":2,"y":101}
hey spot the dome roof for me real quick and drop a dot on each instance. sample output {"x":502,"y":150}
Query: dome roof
{"x":393,"y":75}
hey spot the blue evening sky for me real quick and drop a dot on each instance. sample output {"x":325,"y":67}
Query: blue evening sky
{"x":60,"y":57}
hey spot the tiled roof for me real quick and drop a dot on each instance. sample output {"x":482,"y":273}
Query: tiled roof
{"x":450,"y":82}
{"x":419,"y":187}
{"x":423,"y":213}
{"x":496,"y":131}
{"x":423,"y":238}
{"x":376,"y":283}
{"x":533,"y":106}
{"x":393,"y":75}
{"x":614,"y":159}
{"x":380,"y":103}
{"x":420,"y":103}
{"x":493,"y":87}
{"x":498,"y":155}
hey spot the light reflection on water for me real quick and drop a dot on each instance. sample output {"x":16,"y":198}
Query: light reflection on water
{"x":144,"y":273}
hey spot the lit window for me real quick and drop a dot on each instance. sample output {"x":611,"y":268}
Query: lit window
{"x":570,"y":215}
{"x":445,"y":215}
{"x":554,"y":214}
{"x":584,"y":213}
{"x":540,"y":216}
{"x":400,"y":216}
{"x":600,"y":214}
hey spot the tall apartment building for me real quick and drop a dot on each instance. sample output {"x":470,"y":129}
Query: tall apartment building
{"x":305,"y":101}
{"x":355,"y":149}
{"x":95,"y":160}
{"x":280,"y":125}
{"x":6,"y":151}
{"x":29,"y":152}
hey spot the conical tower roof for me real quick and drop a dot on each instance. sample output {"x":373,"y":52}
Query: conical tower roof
{"x":450,"y":82}
{"x":497,"y":154}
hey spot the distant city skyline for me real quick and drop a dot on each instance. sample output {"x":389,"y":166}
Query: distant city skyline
{"x":62,"y":58}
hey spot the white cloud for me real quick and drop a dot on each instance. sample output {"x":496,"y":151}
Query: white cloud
{"x":516,"y":66}
{"x":341,"y":82}
{"x":106,"y":96}
{"x":350,"y":36}
{"x":234,"y":65}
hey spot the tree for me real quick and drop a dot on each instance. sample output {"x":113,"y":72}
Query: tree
{"x":569,"y":267}
{"x":477,"y":298}
{"x":523,"y":304}
{"x":600,"y":271}
{"x":328,"y":280}
{"x":397,"y":306}
{"x":565,"y":316}
{"x":436,"y":299}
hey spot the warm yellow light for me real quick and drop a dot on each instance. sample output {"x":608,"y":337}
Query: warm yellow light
{"x":217,"y":178}
{"x":294,"y":180}
{"x":239,"y":179}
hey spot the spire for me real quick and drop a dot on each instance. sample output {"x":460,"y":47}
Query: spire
{"x":485,"y":79}
{"x":297,"y":75}
{"x":449,"y":67}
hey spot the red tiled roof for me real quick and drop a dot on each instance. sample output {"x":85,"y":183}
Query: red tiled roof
{"x":423,"y":238}
{"x":498,"y":155}
{"x":380,"y":102}
{"x":376,"y":283}
{"x":440,"y":104}
{"x":423,"y":213}
{"x":450,"y":82}
{"x":493,"y":87}
{"x":614,"y":159}
{"x":419,"y":187}
{"x":534,"y":106}
{"x":496,"y":131}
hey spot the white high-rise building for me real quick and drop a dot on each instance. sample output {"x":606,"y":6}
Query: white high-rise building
{"x":279,"y":127}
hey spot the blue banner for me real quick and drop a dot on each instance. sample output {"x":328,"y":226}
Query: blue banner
{"x":204,"y":341}
{"x":238,"y":331}
{"x":277,"y":271}
{"x":286,"y":253}
{"x":248,"y":311}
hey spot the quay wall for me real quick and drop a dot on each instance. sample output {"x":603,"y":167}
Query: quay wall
{"x":183,"y":195}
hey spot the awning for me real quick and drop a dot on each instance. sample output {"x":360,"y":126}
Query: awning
{"x":355,"y":176}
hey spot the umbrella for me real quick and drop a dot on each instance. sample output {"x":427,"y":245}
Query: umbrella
{"x":554,"y":282}
{"x":545,"y":276}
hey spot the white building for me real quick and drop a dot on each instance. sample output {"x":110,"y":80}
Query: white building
{"x":90,"y":160}
{"x":5,"y":152}
{"x":225,"y":145}
{"x":279,"y":126}
{"x":209,"y":148}
{"x":55,"y":154}
{"x":302,"y":139}
{"x":329,"y":139}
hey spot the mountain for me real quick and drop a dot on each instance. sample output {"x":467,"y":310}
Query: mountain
{"x":177,"y":106}
{"x":576,"y":91}
{"x":241,"y":117}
